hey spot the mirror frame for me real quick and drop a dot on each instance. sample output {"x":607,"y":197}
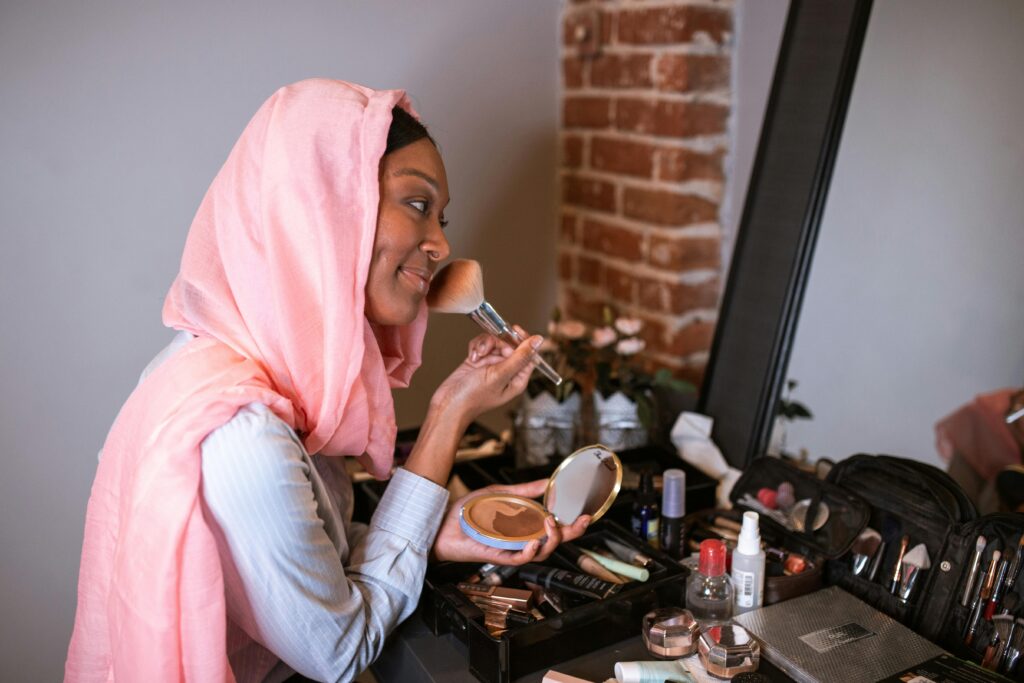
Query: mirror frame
{"x":789,"y":182}
{"x":569,"y":459}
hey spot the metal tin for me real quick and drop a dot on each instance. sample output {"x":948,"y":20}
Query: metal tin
{"x":728,"y":650}
{"x":670,"y":632}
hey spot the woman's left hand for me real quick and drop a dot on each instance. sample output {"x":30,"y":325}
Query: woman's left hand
{"x":452,"y":544}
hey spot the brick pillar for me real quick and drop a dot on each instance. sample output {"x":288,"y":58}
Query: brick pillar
{"x":646,"y":102}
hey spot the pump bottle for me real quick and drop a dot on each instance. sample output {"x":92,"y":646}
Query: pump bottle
{"x":748,"y":566}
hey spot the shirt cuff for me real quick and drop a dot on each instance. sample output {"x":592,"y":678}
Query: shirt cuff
{"x":412,"y":507}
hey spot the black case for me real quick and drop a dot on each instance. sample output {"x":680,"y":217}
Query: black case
{"x":900,"y":496}
{"x":585,"y":627}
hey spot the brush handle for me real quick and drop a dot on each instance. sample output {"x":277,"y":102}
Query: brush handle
{"x":486,"y":317}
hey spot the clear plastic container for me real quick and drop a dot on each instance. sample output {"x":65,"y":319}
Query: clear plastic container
{"x":709,"y":592}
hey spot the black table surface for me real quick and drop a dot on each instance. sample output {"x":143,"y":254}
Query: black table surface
{"x":414,"y":655}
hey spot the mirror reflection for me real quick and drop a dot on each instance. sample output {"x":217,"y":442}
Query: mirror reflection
{"x":585,"y":483}
{"x":913,"y":307}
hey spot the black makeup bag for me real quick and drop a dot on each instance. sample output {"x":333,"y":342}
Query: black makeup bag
{"x":847,"y":515}
{"x":923,"y":502}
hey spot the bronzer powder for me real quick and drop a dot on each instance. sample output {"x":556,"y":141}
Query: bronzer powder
{"x":505,"y":516}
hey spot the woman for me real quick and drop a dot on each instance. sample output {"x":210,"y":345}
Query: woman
{"x":215,"y":547}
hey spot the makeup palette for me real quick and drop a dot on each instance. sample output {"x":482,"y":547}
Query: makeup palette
{"x":585,"y":483}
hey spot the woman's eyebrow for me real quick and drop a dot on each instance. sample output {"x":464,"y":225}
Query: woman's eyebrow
{"x":418,"y":174}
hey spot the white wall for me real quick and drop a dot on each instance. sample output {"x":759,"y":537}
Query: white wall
{"x":759,"y":25}
{"x":114,"y":118}
{"x":916,"y":296}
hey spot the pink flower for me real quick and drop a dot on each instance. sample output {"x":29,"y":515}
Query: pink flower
{"x":603,"y":336}
{"x":627,"y":347}
{"x":629,"y":326}
{"x":572,"y":329}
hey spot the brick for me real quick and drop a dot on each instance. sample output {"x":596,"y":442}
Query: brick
{"x":693,"y":338}
{"x":565,"y":269}
{"x":674,"y":119}
{"x":612,"y":240}
{"x":677,"y":165}
{"x":622,"y":156}
{"x":587,"y":112}
{"x":588,"y":21}
{"x":596,"y":194}
{"x":682,"y":254}
{"x":568,"y":228}
{"x":590,"y":271}
{"x":572,"y":72}
{"x":653,"y":333}
{"x":621,"y":285}
{"x":677,"y":298}
{"x":572,"y":151}
{"x":680,"y":24}
{"x":667,"y":208}
{"x":578,"y":305}
{"x":691,"y":73}
{"x":621,"y":71}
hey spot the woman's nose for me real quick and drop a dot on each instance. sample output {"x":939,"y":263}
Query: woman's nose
{"x":436,"y":244}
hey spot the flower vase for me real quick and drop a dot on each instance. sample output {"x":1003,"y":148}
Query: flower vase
{"x":618,"y":422}
{"x":546,"y":429}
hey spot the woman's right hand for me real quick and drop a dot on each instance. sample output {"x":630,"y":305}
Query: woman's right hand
{"x":491,"y":375}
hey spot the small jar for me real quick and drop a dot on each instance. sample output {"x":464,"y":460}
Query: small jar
{"x":670,"y":633}
{"x":728,"y":650}
{"x":709,"y":590}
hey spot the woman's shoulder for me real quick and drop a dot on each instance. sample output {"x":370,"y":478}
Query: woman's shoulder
{"x":253,"y":431}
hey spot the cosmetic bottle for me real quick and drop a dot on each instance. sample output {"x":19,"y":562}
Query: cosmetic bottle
{"x":673,"y":509}
{"x":709,"y":589}
{"x":748,"y":566}
{"x":645,"y":511}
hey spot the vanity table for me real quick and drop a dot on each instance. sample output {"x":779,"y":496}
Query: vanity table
{"x":414,"y":655}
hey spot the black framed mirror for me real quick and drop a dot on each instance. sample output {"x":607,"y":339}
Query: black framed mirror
{"x":789,"y":184}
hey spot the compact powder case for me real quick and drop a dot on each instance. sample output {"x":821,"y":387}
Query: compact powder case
{"x":728,"y":650}
{"x":670,"y":633}
{"x":586,"y":482}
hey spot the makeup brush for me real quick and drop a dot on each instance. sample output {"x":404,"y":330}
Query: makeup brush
{"x":864,"y":549}
{"x":1018,"y":559}
{"x":984,"y":593}
{"x":979,"y":550}
{"x":997,"y":590}
{"x":914,"y":564}
{"x":459,"y":288}
{"x":894,"y":583}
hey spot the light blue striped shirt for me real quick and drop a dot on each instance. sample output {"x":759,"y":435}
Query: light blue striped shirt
{"x":307,"y":589}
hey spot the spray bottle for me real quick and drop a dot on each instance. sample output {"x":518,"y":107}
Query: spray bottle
{"x":748,"y":566}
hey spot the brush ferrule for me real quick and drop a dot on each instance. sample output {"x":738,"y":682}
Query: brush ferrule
{"x":486,"y":317}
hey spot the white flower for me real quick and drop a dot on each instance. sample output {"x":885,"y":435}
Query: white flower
{"x":629,"y":326}
{"x":572,"y":329}
{"x":603,"y":336}
{"x":627,"y":347}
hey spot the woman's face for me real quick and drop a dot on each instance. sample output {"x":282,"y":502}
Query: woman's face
{"x":410,"y":242}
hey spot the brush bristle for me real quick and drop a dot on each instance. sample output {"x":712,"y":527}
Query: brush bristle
{"x":867,"y":543}
{"x":918,"y":557}
{"x":457,"y":288}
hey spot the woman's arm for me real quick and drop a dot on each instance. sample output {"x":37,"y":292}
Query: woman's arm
{"x":284,"y":580}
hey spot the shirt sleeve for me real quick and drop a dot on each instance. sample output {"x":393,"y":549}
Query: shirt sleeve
{"x":285,"y":582}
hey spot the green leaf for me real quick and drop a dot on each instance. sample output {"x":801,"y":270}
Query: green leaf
{"x":644,"y":410}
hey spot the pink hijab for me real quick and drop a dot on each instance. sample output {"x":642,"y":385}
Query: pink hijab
{"x":272,"y":284}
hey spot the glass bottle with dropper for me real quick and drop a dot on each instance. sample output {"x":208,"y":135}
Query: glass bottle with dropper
{"x":709,"y":589}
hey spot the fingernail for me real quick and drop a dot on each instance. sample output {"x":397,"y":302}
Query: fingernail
{"x":473,"y":356}
{"x":536,"y":341}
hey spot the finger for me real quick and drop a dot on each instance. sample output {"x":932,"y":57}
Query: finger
{"x":576,"y":529}
{"x":527,"y":554}
{"x":530,"y":489}
{"x":521,"y":359}
{"x":480,"y":345}
{"x":553,"y":539}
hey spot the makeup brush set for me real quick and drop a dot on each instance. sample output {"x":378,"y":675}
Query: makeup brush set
{"x":928,"y":560}
{"x":591,"y":592}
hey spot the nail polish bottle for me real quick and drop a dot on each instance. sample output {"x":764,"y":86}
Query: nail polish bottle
{"x":646,"y":512}
{"x":673,"y":509}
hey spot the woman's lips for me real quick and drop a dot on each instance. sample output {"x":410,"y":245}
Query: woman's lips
{"x":419,"y":278}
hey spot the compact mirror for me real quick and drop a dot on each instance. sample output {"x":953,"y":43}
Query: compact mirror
{"x":586,"y":482}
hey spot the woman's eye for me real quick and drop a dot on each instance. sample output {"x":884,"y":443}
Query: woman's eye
{"x":420,"y":205}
